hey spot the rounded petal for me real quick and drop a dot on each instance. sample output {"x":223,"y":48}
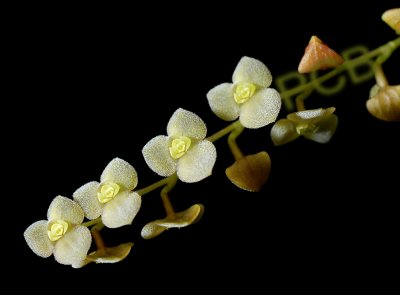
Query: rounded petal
{"x":121,"y":210}
{"x":62,"y":208}
{"x":120,"y":172}
{"x":311,"y":116}
{"x":385,"y":104}
{"x":107,"y":255}
{"x":151,"y":230}
{"x":73,"y":247}
{"x":325,"y":131}
{"x":253,"y":71}
{"x":157,"y":156}
{"x":183,"y":218}
{"x":222,"y":103}
{"x":261,"y":109}
{"x":392,"y":18}
{"x":250,"y":172}
{"x":198,"y":162}
{"x":185,"y":123}
{"x":37,"y":239}
{"x":111,"y":254}
{"x":86,"y":197}
{"x":283,"y":131}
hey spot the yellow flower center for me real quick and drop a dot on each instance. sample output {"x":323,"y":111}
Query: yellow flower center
{"x":107,"y":191}
{"x":243,"y":91}
{"x":56,"y":229}
{"x":179,"y":146}
{"x":306,"y":128}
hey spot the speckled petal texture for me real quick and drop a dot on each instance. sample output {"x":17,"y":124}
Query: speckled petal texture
{"x":157,"y":156}
{"x":185,"y":123}
{"x":253,"y":71}
{"x":37,"y":239}
{"x":198,"y":162}
{"x":73,"y":247}
{"x":261,"y":109}
{"x":120,"y":172}
{"x":222,"y":103}
{"x":86,"y":197}
{"x":121,"y":210}
{"x":62,"y":208}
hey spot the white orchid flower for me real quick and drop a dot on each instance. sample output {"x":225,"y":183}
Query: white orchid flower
{"x":62,"y":234}
{"x":184,"y":150}
{"x":318,"y":125}
{"x":112,"y":198}
{"x":249,"y":97}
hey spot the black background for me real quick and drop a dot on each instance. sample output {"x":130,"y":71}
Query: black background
{"x":98,"y":83}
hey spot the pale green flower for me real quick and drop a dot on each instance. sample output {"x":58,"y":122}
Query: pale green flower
{"x":248,"y":97}
{"x":318,"y":125}
{"x":184,"y":150}
{"x":112,"y":198}
{"x":61,"y":234}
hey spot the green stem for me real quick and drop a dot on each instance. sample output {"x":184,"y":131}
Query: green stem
{"x":217,"y":135}
{"x":385,"y":50}
{"x":169,"y":209}
{"x":380,"y":76}
{"x":301,"y":97}
{"x":92,"y":222}
{"x":155,"y":185}
{"x":98,"y":239}
{"x":237,"y":153}
{"x":99,"y":226}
